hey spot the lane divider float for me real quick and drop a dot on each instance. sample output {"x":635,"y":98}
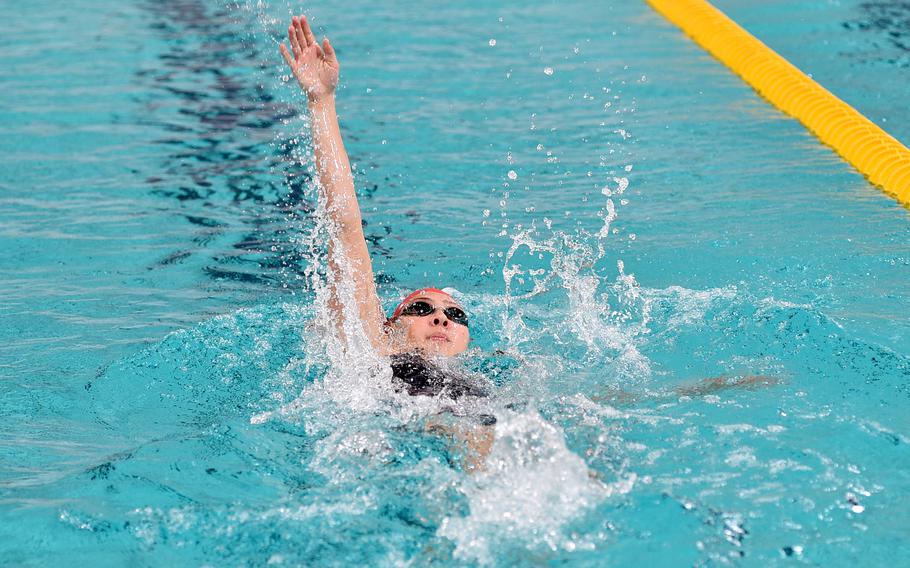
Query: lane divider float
{"x":876,"y":154}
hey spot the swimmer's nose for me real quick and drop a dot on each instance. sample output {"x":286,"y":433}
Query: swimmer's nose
{"x":443,"y":320}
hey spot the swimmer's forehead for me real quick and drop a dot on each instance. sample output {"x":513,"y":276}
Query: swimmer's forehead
{"x":436,"y":297}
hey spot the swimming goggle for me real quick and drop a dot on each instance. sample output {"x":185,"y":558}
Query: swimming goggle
{"x":421,"y":309}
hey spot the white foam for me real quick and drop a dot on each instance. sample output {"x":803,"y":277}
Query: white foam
{"x":532,"y":486}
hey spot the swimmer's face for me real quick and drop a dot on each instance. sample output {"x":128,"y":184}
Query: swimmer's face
{"x":435,"y":333}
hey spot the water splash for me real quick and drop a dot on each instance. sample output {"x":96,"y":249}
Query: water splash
{"x":531,"y":488}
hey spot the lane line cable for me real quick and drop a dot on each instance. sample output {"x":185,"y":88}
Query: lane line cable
{"x":881,"y":158}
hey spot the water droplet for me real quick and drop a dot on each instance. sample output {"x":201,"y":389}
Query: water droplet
{"x":632,"y":237}
{"x":384,"y":142}
{"x":513,"y":175}
{"x":369,"y":90}
{"x":486,"y":212}
{"x":628,"y":168}
{"x":492,"y":42}
{"x":547,"y":70}
{"x":622,"y":184}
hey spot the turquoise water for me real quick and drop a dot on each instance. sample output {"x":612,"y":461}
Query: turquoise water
{"x":166,"y":400}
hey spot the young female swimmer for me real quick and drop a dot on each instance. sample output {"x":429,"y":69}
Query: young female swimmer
{"x":428,"y":321}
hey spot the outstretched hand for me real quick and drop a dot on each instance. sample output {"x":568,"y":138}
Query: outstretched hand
{"x":315,"y":67}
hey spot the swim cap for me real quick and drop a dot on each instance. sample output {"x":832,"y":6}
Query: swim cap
{"x":413,"y":295}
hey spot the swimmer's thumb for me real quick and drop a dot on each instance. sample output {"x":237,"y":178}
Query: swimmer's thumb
{"x":329,"y":51}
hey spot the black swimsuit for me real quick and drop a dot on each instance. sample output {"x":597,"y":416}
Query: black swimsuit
{"x":417,"y":375}
{"x":421,"y":377}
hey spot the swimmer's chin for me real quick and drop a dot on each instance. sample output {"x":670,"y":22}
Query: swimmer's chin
{"x":436,"y":347}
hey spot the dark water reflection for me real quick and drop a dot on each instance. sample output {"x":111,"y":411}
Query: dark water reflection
{"x":889,"y":23}
{"x":225,"y":167}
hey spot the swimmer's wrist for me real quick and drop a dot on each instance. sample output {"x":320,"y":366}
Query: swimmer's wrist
{"x":320,"y":99}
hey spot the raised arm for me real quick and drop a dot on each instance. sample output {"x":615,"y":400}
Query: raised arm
{"x":316,"y":69}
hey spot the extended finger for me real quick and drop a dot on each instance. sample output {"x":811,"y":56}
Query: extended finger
{"x":310,"y":38}
{"x":288,"y":58}
{"x":301,"y":36}
{"x":292,"y":39}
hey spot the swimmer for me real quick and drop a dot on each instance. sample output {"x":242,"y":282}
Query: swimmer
{"x":428,"y":320}
{"x":428,"y":323}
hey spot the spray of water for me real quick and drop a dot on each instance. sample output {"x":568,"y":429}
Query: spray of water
{"x":532,"y":486}
{"x":555,"y":316}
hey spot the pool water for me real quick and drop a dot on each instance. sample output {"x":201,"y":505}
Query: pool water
{"x":622,"y":217}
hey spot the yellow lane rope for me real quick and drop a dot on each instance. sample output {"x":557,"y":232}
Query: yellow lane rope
{"x":871,"y":150}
